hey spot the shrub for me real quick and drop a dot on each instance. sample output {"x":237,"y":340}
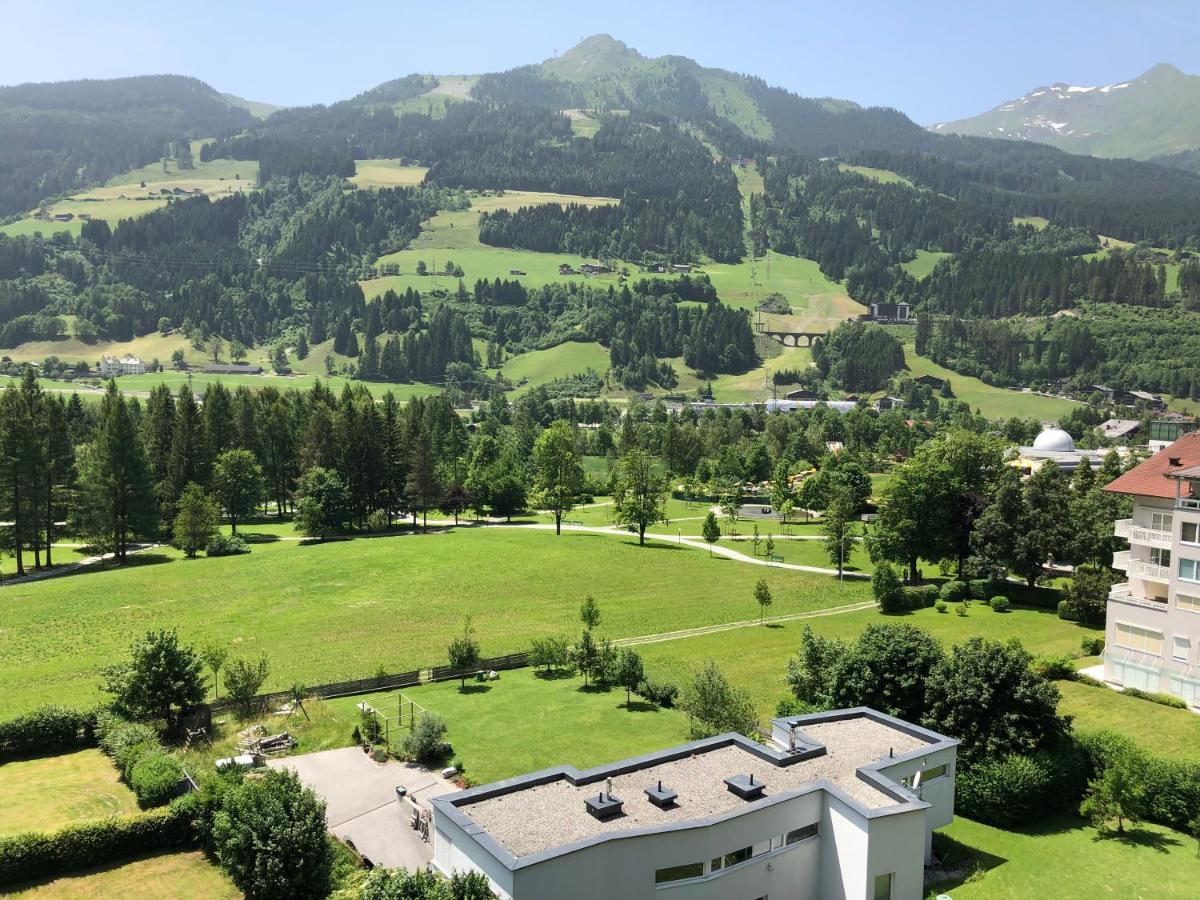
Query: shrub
{"x":980,"y":588}
{"x":379,"y":520}
{"x":886,"y":587}
{"x":1066,"y":612}
{"x":1056,"y":668}
{"x":426,"y":743}
{"x":1000,"y":604}
{"x":38,"y":856}
{"x":155,"y":777}
{"x":1015,"y":790}
{"x":1153,"y":697}
{"x":940,"y":606}
{"x":1082,"y":678}
{"x":960,"y":610}
{"x":269,"y":835}
{"x":226,"y":545}
{"x":50,"y":729}
{"x":1092,"y":646}
{"x":954,"y":591}
{"x":243,"y":678}
{"x":124,"y":741}
{"x":660,"y":693}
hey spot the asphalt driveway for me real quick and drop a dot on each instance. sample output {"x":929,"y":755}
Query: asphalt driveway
{"x":361,"y":803}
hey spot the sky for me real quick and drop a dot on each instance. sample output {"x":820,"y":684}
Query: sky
{"x":933,"y":60}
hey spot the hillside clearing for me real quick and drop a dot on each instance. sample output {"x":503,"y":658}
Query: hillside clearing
{"x":370,"y":173}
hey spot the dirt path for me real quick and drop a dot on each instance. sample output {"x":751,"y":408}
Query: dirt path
{"x":730,"y":626}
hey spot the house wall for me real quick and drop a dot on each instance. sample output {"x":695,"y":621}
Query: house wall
{"x":1158,"y":672}
{"x":455,"y":850}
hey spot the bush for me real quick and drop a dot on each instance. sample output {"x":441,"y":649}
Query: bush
{"x":1092,"y":646}
{"x":48,"y":730}
{"x":155,"y":778}
{"x":1081,"y":678}
{"x":940,"y":606}
{"x":379,"y":520}
{"x":1066,"y":612}
{"x":1172,"y":788}
{"x":1000,"y":604}
{"x":1153,"y":697}
{"x":226,"y":545}
{"x":980,"y":588}
{"x":426,"y":743}
{"x":954,"y":591}
{"x":961,"y":609}
{"x":1056,"y":668}
{"x":1015,"y":790}
{"x":39,"y":856}
{"x":920,"y":597}
{"x":660,"y":693}
{"x":886,"y":587}
{"x":124,"y":741}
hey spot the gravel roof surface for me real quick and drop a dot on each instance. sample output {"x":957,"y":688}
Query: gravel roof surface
{"x":545,"y":816}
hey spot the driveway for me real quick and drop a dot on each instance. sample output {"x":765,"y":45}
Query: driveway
{"x":361,"y":804}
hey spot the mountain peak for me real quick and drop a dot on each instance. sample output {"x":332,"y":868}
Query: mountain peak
{"x":595,"y":56}
{"x":1163,"y":70}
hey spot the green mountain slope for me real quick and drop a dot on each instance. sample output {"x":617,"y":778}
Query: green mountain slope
{"x":1153,"y":115}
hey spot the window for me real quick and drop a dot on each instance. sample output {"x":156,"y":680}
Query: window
{"x":1185,"y":601}
{"x":1160,"y":557}
{"x":1182,"y":649}
{"x":935,"y":772}
{"x":883,"y":887}
{"x":1160,"y":521}
{"x":1189,"y":532}
{"x":1134,"y":638}
{"x":678,"y":873}
{"x":1189,"y":570}
{"x":738,"y":856}
{"x":801,"y":834}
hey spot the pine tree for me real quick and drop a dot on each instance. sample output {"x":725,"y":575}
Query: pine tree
{"x":189,"y":448}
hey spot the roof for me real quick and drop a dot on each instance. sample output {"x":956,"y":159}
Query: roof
{"x":1055,"y":440}
{"x":1118,"y":427}
{"x":1153,"y":477}
{"x":544,"y":812}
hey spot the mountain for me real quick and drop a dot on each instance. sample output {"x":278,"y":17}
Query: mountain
{"x":59,"y":137}
{"x":1155,"y":115}
{"x":256,"y":108}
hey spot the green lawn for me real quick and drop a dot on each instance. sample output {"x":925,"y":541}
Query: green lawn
{"x":346,"y":608}
{"x":756,"y":658}
{"x":49,"y":792}
{"x":166,"y":876}
{"x":524,"y":722}
{"x":1160,"y":729}
{"x":530,"y":370}
{"x":924,"y":262}
{"x":386,"y":173}
{"x":992,"y":402}
{"x":1064,"y":857}
{"x":884,"y":176}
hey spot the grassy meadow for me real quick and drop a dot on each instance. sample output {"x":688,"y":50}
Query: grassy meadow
{"x":375,"y":173}
{"x":344,"y":609}
{"x":164,"y":876}
{"x":924,"y":262}
{"x":883,"y":176}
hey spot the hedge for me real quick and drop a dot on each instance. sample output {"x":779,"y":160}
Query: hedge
{"x":47,"y":731}
{"x":1016,"y":790}
{"x":1172,"y":785}
{"x":155,"y":777}
{"x":36,"y":856}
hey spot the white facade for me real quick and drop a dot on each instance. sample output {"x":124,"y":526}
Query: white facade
{"x":1152,"y":635}
{"x":111,"y":366}
{"x":861,"y":834}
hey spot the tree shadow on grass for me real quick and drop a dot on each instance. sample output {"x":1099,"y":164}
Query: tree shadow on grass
{"x":133,"y":561}
{"x":1139,"y":837}
{"x":475,"y":689}
{"x":258,"y":537}
{"x":774,"y":625}
{"x":554,"y":674}
{"x":956,"y":863}
{"x":639,"y":706}
{"x":653,"y":545}
{"x":594,"y":688}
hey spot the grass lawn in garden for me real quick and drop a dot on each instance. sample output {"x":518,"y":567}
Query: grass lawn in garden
{"x":51,"y":791}
{"x":524,"y":722}
{"x":756,"y":658}
{"x":992,"y":402}
{"x":1064,"y":857}
{"x":344,"y":609}
{"x":1162,"y":730}
{"x":166,"y":876}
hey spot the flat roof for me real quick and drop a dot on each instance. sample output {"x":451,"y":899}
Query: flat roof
{"x":544,"y":812}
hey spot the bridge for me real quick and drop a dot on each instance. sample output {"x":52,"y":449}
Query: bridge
{"x":792,"y":338}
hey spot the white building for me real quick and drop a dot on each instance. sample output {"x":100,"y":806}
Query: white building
{"x":1057,"y":446}
{"x":1153,"y":623}
{"x":110,"y":366}
{"x":837,"y":805}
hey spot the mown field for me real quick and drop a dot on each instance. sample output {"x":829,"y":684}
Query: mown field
{"x":50,"y":792}
{"x":344,"y":609}
{"x":370,"y":173}
{"x":165,"y":876}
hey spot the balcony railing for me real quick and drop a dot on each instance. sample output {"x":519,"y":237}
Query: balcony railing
{"x":1121,"y":560}
{"x":1121,"y":593}
{"x":1139,"y":534}
{"x":1139,"y":569}
{"x":1121,"y":528}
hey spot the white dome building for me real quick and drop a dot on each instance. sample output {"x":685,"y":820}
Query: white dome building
{"x":1054,"y":440}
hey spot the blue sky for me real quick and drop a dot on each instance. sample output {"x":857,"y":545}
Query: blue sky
{"x":933,"y":60}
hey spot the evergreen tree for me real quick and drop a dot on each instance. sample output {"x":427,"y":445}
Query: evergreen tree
{"x":189,"y":458}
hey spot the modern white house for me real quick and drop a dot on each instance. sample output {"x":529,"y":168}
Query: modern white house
{"x":111,"y":366}
{"x":835,"y":805}
{"x":1152,"y":635}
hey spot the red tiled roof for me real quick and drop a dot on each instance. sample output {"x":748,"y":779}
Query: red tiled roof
{"x":1152,"y":477}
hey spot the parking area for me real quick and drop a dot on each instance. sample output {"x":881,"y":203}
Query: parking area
{"x":362,"y":805}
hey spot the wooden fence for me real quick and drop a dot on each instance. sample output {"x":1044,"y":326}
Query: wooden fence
{"x":367,"y":685}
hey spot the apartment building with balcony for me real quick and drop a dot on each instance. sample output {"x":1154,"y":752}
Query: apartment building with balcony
{"x":833,"y":805}
{"x":1152,"y":638}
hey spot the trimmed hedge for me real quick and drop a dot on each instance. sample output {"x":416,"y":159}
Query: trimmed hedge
{"x":47,"y":731}
{"x":155,"y":777}
{"x":1016,"y":790}
{"x":955,"y":591}
{"x":36,"y":856}
{"x":143,"y":763}
{"x":1155,"y":697}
